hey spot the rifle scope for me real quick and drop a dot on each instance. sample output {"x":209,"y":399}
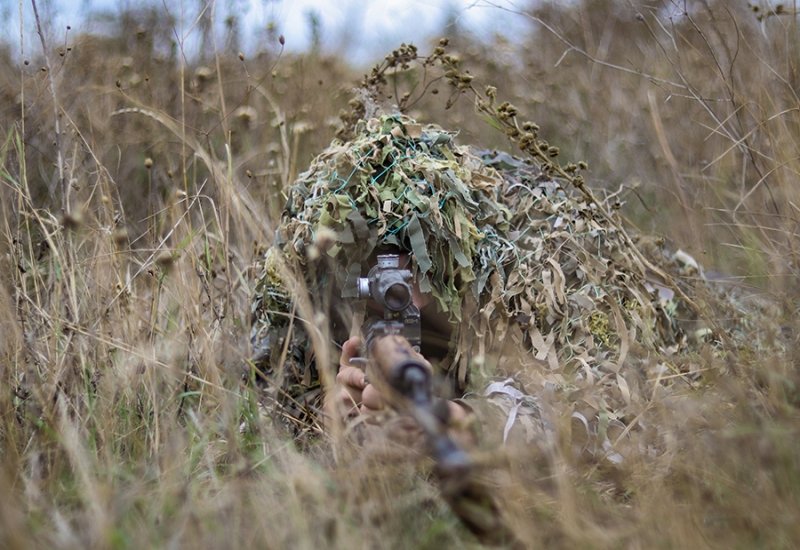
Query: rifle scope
{"x":387,"y":284}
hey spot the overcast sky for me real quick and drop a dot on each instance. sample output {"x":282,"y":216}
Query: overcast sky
{"x":363,"y":29}
{"x":364,"y":26}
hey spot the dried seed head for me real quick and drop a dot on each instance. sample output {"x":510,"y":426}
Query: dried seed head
{"x":246,"y":114}
{"x":510,"y":110}
{"x":301,"y":127}
{"x":72,"y":220}
{"x":203,"y":73}
{"x":312,"y":252}
{"x":325,"y":238}
{"x":165,"y":259}
{"x":120,"y":236}
{"x":526,"y":140}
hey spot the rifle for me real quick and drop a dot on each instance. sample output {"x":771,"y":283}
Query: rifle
{"x":405,"y":379}
{"x":392,"y":345}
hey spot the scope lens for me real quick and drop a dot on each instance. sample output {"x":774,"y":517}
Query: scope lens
{"x":398,"y":297}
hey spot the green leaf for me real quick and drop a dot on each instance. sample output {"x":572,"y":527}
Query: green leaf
{"x":418,"y":246}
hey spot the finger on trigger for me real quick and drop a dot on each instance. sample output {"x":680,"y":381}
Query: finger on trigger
{"x":351,"y":348}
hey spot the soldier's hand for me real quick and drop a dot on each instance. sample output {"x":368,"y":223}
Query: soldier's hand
{"x":354,"y":394}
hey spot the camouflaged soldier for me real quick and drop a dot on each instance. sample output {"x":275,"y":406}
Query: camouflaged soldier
{"x":521,"y":283}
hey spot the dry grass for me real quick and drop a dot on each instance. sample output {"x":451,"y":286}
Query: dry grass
{"x":124,"y":306}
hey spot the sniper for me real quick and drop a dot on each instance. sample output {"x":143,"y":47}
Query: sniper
{"x":525,"y":289}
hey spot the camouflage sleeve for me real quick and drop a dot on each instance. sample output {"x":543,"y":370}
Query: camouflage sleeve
{"x":282,"y":359}
{"x":505,"y":415}
{"x":502,"y":415}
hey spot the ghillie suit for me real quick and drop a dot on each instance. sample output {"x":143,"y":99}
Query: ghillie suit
{"x":537,"y":284}
{"x":551,"y":301}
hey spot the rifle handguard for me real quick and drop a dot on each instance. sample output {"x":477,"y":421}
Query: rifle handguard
{"x":405,"y":370}
{"x":408,"y":377}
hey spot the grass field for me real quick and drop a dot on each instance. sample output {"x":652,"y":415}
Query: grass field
{"x":139,"y":185}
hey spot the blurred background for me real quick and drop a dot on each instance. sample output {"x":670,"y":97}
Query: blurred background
{"x":355,"y":29}
{"x":689,"y":108}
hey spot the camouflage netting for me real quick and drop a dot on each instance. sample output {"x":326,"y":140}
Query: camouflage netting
{"x":537,"y":282}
